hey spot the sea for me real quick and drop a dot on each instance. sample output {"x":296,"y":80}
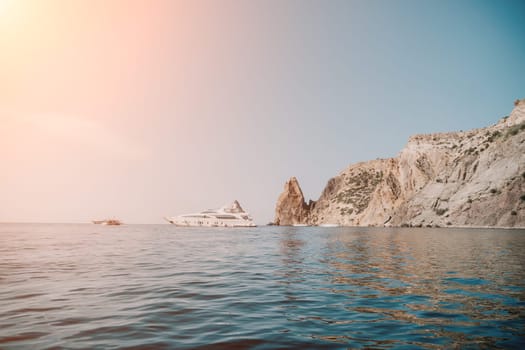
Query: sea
{"x":84,"y":286}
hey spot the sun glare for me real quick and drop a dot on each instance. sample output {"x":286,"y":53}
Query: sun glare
{"x":7,"y":12}
{"x":4,"y":6}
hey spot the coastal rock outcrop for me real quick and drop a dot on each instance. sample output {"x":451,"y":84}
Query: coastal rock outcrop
{"x":471,"y":178}
{"x":291,"y":208}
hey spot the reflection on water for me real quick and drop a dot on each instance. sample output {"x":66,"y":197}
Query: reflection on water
{"x":428,"y":288}
{"x":272,"y":287}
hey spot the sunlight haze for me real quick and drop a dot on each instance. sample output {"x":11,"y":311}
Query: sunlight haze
{"x":145,"y":109}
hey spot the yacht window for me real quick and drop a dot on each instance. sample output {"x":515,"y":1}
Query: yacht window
{"x":225,"y":217}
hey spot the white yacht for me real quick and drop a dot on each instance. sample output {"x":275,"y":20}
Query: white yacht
{"x":227,"y":216}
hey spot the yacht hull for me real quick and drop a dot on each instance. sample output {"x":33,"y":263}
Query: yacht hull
{"x":185,"y":222}
{"x":227,"y":216}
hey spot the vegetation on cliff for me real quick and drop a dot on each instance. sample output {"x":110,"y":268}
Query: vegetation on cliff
{"x":471,"y":178}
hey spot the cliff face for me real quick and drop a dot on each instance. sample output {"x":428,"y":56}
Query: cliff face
{"x":472,"y":178}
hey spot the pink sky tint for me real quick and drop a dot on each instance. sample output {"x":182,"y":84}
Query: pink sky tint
{"x":75,"y":77}
{"x":123,"y":109}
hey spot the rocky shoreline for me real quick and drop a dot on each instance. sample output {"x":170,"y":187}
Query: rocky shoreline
{"x":474,"y":178}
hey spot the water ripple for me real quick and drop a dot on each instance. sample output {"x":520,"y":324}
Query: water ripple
{"x":162,"y":287}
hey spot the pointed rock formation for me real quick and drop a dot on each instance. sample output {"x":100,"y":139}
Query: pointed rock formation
{"x":291,"y":208}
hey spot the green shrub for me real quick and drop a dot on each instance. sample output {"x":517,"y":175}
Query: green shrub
{"x":494,"y":136}
{"x":522,"y":197}
{"x":515,"y":129}
{"x":513,"y":212}
{"x":441,"y":211}
{"x":493,"y":191}
{"x":472,"y":150}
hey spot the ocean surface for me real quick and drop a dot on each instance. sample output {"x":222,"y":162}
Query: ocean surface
{"x":159,"y":286}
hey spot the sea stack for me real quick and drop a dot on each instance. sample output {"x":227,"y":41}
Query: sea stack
{"x":291,"y":207}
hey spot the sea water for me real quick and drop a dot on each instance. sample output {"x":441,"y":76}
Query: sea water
{"x":160,"y":286}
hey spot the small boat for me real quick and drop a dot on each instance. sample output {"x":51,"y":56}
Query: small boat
{"x":107,"y":222}
{"x":328,"y":225}
{"x":227,"y":216}
{"x":300,"y":225}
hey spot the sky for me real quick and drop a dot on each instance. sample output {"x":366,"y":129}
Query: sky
{"x":143,"y":109}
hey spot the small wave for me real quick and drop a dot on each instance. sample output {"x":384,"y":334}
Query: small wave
{"x":102,"y":330}
{"x":149,"y":346}
{"x":179,"y":312}
{"x":70,"y":321}
{"x":467,"y":281}
{"x":30,"y":310}
{"x":26,"y":296}
{"x":232,"y":345}
{"x":22,"y":337}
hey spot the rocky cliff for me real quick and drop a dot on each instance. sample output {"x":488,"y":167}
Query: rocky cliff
{"x":472,"y":178}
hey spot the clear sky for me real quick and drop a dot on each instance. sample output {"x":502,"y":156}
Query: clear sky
{"x":142,"y":109}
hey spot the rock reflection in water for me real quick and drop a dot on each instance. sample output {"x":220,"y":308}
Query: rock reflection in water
{"x":439,"y":289}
